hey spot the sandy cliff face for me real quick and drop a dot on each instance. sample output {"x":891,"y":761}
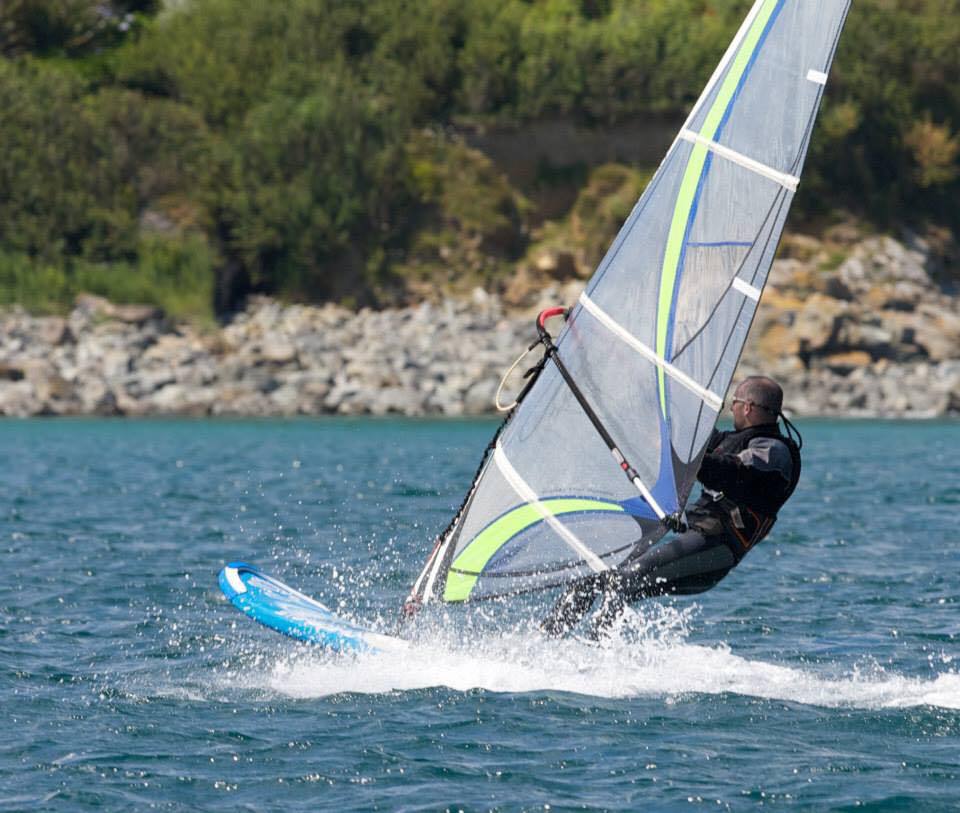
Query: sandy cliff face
{"x":868,"y":332}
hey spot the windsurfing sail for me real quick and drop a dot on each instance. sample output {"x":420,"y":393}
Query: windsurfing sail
{"x":655,"y":338}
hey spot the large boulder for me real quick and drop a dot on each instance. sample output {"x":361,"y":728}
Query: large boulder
{"x":818,"y":323}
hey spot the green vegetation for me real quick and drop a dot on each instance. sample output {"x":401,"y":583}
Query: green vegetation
{"x":174,"y":275}
{"x":313,"y":149}
{"x":605,"y":199}
{"x":470,"y":222}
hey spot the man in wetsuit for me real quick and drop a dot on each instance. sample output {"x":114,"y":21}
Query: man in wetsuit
{"x":747,"y":475}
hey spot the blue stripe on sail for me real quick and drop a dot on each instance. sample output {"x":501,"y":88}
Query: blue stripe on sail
{"x":638,"y":507}
{"x":664,"y":490}
{"x":691,"y":218}
{"x":721,"y":245}
{"x":746,"y":71}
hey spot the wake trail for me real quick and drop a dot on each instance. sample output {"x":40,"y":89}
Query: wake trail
{"x":653,"y":659}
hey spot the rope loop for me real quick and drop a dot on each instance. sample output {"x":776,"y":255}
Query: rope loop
{"x":496,"y":399}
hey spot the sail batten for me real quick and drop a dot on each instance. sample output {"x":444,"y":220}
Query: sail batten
{"x":791,"y":182}
{"x":712,"y":400}
{"x":747,"y":289}
{"x":653,"y":343}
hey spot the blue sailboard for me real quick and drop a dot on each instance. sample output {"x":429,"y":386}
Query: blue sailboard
{"x":286,"y":610}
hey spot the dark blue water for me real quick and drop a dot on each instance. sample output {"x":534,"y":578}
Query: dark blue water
{"x":821,"y":674}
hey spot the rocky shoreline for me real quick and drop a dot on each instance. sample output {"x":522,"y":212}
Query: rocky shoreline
{"x":874,"y":336}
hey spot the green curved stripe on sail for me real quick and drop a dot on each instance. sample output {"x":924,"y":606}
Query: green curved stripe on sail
{"x":473,"y":558}
{"x":691,"y":180}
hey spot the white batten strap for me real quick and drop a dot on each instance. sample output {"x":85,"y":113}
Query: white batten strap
{"x":817,"y":77}
{"x":711,"y":399}
{"x":789,"y":181}
{"x":746,"y":289}
{"x":518,"y":484}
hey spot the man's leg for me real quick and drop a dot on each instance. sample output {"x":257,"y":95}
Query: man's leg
{"x":574,"y":603}
{"x":687,"y":564}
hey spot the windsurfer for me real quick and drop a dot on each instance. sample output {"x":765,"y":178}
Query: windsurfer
{"x":747,"y":475}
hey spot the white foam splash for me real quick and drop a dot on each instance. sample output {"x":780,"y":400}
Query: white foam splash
{"x":655,"y":661}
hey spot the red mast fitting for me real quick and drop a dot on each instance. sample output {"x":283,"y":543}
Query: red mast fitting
{"x":549,"y":313}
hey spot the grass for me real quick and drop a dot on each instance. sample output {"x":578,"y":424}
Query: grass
{"x":175,"y":275}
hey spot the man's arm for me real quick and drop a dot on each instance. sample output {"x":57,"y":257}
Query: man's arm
{"x":764,"y":467}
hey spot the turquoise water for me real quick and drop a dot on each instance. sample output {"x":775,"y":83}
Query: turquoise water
{"x":821,"y":674}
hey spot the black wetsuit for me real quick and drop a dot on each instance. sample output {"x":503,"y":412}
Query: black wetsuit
{"x":747,"y":476}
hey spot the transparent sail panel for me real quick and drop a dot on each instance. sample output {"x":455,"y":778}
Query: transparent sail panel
{"x":536,"y":558}
{"x":507,"y":543}
{"x":627,"y":282}
{"x":772,"y":127}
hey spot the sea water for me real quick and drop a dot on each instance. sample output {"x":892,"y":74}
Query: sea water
{"x":822,"y":673}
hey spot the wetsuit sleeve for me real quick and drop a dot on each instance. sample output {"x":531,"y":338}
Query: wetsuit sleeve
{"x":764,"y":467}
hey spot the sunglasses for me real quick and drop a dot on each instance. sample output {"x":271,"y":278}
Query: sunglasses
{"x":752,"y":403}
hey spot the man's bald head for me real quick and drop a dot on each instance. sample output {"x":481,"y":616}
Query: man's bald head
{"x":761,"y":398}
{"x":763,"y":391}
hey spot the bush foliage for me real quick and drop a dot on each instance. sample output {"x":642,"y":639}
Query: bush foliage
{"x":307,"y":148}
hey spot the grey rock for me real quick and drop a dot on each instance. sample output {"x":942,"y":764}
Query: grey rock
{"x":847,"y":344}
{"x":278,"y":351}
{"x":478,"y":399}
{"x":396,"y":400}
{"x":18,"y":399}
